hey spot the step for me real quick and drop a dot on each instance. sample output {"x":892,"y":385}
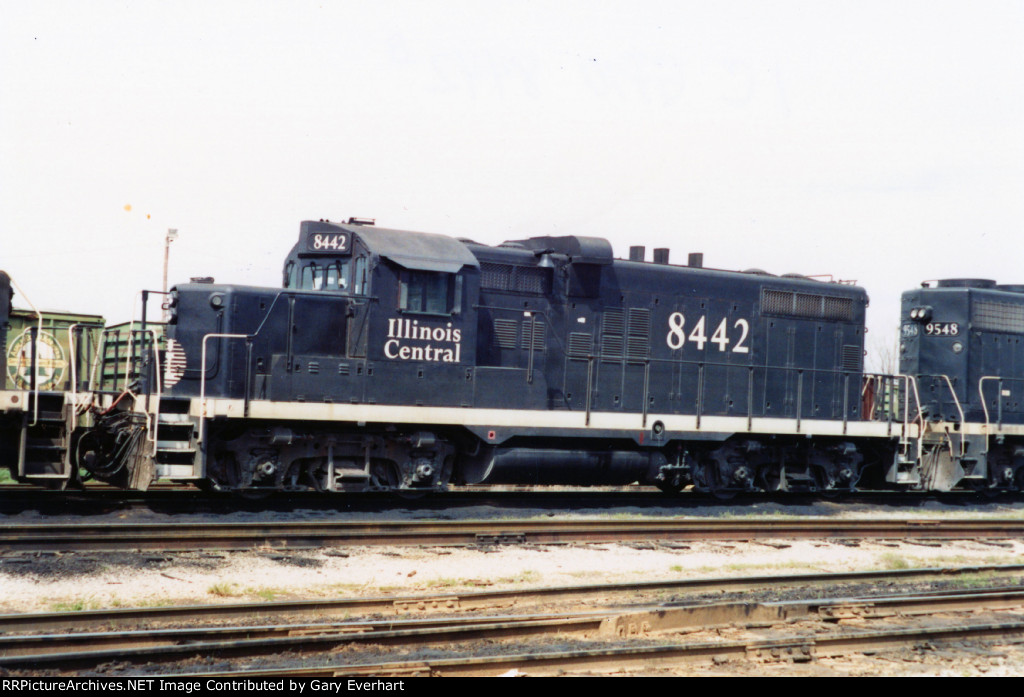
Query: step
{"x":176,"y":446}
{"x":45,"y":444}
{"x":175,"y":419}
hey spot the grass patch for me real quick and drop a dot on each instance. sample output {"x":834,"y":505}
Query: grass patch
{"x":77,"y":605}
{"x":224,"y":590}
{"x":528,"y":576}
{"x":894,"y":562}
{"x":268,"y":594}
{"x":982,"y":580}
{"x":794,"y":564}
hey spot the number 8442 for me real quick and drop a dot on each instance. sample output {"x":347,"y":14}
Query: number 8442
{"x":722,"y":337}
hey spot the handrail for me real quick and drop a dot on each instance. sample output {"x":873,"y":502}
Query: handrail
{"x":959,"y":408}
{"x":999,"y":402}
{"x":904,"y":439}
{"x":159,"y":392}
{"x":35,"y":365}
{"x":202,"y":382}
{"x":956,"y":401}
{"x":144,"y":294}
{"x":72,"y":331}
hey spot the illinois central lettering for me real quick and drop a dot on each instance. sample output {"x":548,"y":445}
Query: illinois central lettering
{"x":408,"y":340}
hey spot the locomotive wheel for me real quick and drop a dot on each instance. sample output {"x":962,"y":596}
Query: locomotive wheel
{"x":724,"y":494}
{"x":254,"y":494}
{"x":672,"y":485}
{"x":712,"y":484}
{"x":770,"y":479}
{"x":387,"y":475}
{"x":983,"y":490}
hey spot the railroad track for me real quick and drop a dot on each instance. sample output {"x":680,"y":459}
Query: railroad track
{"x":612,"y":625}
{"x":320,"y":534}
{"x":795,"y":649}
{"x":185,"y":498}
{"x":476,"y":601}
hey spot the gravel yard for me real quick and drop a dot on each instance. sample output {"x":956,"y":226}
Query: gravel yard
{"x":54,"y":581}
{"x":49,"y":582}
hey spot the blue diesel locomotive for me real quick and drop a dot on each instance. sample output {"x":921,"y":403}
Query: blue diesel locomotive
{"x":402,"y":361}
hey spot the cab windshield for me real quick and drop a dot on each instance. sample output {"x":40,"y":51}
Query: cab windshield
{"x":330,"y":276}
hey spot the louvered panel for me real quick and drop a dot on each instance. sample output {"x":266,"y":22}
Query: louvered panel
{"x":613,"y":322}
{"x":639,"y":332}
{"x":637,"y":348}
{"x":506,"y":331}
{"x":852,"y":356}
{"x":639,"y":321}
{"x":611,"y":347}
{"x":613,"y":327}
{"x":581,"y":345}
{"x":538,"y":336}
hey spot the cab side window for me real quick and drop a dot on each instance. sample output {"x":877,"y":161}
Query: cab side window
{"x":429,"y":292}
{"x":360,"y":277}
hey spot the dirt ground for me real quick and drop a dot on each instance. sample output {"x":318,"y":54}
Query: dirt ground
{"x":68,"y":582}
{"x":46,"y":582}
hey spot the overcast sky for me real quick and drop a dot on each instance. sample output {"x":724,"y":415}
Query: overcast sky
{"x":876,"y":141}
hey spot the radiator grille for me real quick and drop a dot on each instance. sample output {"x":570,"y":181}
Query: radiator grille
{"x":515,"y":279}
{"x":997,"y":317}
{"x":806,"y":305}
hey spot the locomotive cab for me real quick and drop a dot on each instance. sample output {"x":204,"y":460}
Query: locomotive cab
{"x":410,"y":319}
{"x":961,"y":341}
{"x":367,"y":317}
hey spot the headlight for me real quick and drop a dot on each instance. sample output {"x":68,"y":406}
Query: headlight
{"x":921,"y":314}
